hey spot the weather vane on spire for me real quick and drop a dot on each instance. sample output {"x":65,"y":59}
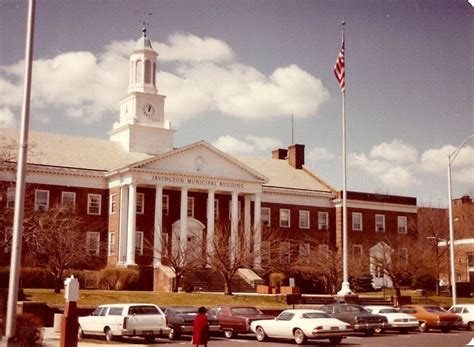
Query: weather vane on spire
{"x":143,"y":22}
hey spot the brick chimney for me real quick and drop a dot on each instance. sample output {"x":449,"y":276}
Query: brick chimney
{"x":296,"y":156}
{"x":279,"y":153}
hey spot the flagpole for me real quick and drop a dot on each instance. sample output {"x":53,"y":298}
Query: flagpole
{"x":345,"y":288}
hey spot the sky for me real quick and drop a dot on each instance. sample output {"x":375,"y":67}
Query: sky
{"x":235,"y":73}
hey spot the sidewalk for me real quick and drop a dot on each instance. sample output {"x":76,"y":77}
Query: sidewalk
{"x":52,"y":339}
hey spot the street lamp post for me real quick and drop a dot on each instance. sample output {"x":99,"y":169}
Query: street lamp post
{"x":451,"y":158}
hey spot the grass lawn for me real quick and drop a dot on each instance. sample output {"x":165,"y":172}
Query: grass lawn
{"x":99,"y":297}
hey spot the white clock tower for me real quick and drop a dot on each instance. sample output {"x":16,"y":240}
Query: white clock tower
{"x":142,"y":126}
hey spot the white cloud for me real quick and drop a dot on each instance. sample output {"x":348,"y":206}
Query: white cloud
{"x":319,"y":154}
{"x":252,"y":145}
{"x":7,"y":118}
{"x":395,"y":151}
{"x":87,"y":87}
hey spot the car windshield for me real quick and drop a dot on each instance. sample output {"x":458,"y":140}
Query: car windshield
{"x":434,"y":309}
{"x":313,"y":315}
{"x":388,"y":310}
{"x":240,"y":311}
{"x":185,"y":310}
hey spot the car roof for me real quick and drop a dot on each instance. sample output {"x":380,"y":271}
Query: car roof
{"x":127,"y":305}
{"x":378,"y":306}
{"x":303,"y":310}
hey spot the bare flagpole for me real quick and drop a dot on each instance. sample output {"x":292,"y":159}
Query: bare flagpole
{"x":15,"y":262}
{"x":340,"y":72}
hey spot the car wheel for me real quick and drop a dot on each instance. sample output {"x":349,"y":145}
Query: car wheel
{"x":149,"y":339}
{"x":299,"y":336}
{"x":423,"y":327}
{"x":445,"y":330}
{"x":108,"y":334}
{"x":369,"y":332}
{"x":80,"y":333}
{"x":261,"y":335}
{"x":335,"y":340}
{"x":229,"y":334}
{"x":470,"y":326}
{"x":174,"y":334}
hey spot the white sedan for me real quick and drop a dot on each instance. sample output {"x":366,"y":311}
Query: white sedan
{"x":396,"y":320}
{"x":300,"y":325}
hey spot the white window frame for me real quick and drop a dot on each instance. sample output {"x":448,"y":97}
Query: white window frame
{"x":190,"y":212}
{"x":166,"y":205}
{"x":90,"y":202}
{"x":323,"y":222}
{"x":380,"y":227}
{"x":304,"y":250}
{"x":304,"y":219}
{"x":68,"y":199}
{"x":111,"y":244}
{"x":402,"y":224}
{"x":357,"y":226}
{"x":41,"y":206}
{"x":283,"y":220}
{"x":90,"y":236}
{"x":10,"y":198}
{"x":139,"y":242}
{"x":140,"y":203}
{"x":359,"y":250}
{"x":285,"y":252}
{"x":266,"y":221}
{"x":113,"y":203}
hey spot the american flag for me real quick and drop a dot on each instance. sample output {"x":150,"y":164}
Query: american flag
{"x":340,"y":71}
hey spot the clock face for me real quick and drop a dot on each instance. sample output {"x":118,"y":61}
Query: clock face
{"x":149,"y":111}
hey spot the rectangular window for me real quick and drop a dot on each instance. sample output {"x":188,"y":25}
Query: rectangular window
{"x":402,"y":224}
{"x":190,"y":207}
{"x":356,"y":221}
{"x":92,"y":243}
{"x":357,"y":250}
{"x":111,"y":246}
{"x":7,"y":239}
{"x":166,"y":204}
{"x":285,"y":218}
{"x":323,"y":222}
{"x":140,"y":203}
{"x":470,"y":259}
{"x":41,"y":200}
{"x":304,"y":219}
{"x":304,"y":250}
{"x":323,"y":249}
{"x":216,"y":209}
{"x":285,"y":256}
{"x":139,"y":242}
{"x":11,"y":197}
{"x":113,"y":203}
{"x":68,"y":200}
{"x":380,"y":222}
{"x":265,"y":215}
{"x":94,"y":204}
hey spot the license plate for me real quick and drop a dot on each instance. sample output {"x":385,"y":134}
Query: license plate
{"x":334,"y":328}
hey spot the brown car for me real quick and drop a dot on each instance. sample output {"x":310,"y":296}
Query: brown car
{"x":236,"y":319}
{"x":433,"y":317}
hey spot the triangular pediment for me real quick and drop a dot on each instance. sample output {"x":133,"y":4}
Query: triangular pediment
{"x":200,"y":159}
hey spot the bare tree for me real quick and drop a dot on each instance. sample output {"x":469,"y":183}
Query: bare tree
{"x":56,"y":240}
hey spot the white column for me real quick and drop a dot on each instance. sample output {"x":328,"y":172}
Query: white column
{"x":132,"y":217}
{"x":247,"y":224}
{"x":210,"y":221}
{"x":157,"y":244}
{"x":257,"y":226}
{"x":123,"y":225}
{"x":183,"y":230}
{"x":234,"y":220}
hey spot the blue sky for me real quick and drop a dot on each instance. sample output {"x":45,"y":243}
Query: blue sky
{"x":234,"y":72}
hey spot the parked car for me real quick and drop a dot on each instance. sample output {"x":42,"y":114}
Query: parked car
{"x":466,"y":312}
{"x":213,"y":320}
{"x":235,"y":319}
{"x":358,"y":317}
{"x":118,"y":320}
{"x":301,"y":325}
{"x":396,"y":320}
{"x":181,"y":318}
{"x":433,"y":317}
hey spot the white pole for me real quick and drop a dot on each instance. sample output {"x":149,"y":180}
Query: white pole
{"x":451,"y":158}
{"x":345,"y":288}
{"x":15,"y":261}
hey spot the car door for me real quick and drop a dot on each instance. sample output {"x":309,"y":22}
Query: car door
{"x":96,"y":321}
{"x":280,"y":326}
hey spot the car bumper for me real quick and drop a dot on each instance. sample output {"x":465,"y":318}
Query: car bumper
{"x":146,"y":332}
{"x":370,"y":326}
{"x":325,"y":334}
{"x":402,"y":325}
{"x":448,"y":324}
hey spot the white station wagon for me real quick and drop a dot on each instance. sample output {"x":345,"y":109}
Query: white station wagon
{"x":118,"y":320}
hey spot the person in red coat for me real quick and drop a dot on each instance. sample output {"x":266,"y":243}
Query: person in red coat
{"x":201,"y":328}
